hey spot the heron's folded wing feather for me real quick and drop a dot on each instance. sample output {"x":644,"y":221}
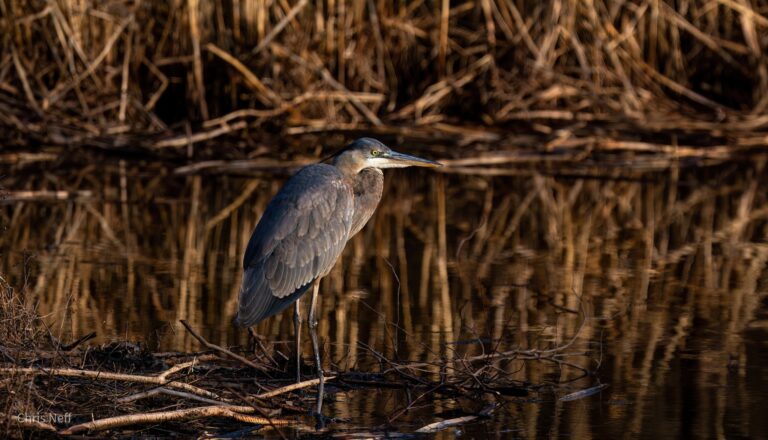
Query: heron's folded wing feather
{"x":299,"y":237}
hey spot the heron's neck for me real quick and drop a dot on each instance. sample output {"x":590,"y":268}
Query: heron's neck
{"x":349,"y":167}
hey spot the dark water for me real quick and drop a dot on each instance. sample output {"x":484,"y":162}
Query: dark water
{"x":660,"y":281}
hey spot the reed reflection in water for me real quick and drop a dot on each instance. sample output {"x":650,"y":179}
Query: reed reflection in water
{"x":669,"y":268}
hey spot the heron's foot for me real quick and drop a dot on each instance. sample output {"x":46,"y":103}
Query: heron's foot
{"x":321,"y":421}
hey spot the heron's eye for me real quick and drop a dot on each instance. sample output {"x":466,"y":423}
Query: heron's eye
{"x":375,"y":153}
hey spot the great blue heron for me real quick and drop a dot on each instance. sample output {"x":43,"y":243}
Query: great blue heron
{"x":304,"y":230}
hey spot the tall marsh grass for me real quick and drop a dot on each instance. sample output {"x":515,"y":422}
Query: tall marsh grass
{"x":138,"y":73}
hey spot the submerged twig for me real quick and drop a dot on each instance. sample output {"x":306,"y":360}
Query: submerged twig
{"x":444,"y":424}
{"x":583,"y":393}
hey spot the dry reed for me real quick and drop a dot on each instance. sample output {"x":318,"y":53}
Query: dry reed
{"x":650,"y":76}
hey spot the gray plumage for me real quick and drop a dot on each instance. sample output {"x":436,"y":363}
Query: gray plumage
{"x":367,"y":188}
{"x":299,"y":237}
{"x":305,"y":227}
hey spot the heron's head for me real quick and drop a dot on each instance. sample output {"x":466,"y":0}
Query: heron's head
{"x":370,"y":153}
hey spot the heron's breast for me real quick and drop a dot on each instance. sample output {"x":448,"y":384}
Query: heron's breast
{"x":367,"y":189}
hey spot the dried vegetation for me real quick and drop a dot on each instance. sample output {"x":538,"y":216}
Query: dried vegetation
{"x":683,"y":79}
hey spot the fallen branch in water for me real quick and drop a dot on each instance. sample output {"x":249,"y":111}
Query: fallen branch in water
{"x":178,"y":367}
{"x":105,"y":375}
{"x":239,"y":413}
{"x":445,"y":424}
{"x":292,"y":387}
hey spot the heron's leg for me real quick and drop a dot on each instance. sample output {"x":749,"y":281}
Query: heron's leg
{"x":297,"y":329}
{"x":316,"y":346}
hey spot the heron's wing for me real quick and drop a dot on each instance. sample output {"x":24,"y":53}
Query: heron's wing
{"x":299,"y":237}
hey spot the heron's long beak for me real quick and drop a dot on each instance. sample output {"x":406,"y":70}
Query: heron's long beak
{"x":394,"y":159}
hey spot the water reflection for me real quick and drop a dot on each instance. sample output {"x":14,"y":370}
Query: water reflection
{"x":670,"y":270}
